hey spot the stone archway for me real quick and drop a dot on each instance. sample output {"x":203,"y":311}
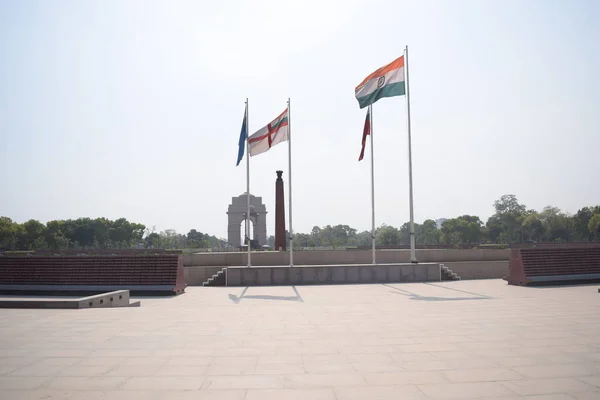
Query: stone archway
{"x":236,"y":214}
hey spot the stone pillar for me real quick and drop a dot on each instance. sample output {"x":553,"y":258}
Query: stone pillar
{"x":280,"y":243}
{"x":234,"y":229}
{"x":261,"y":228}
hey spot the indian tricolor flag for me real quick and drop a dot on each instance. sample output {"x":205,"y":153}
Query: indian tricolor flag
{"x":387,"y":81}
{"x":275,"y":132}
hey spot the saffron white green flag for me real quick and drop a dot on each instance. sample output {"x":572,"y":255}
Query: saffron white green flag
{"x":275,"y":132}
{"x":387,"y":81}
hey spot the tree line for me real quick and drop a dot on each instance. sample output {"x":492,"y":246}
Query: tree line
{"x":170,"y":239}
{"x":512,"y":222}
{"x":96,"y":233}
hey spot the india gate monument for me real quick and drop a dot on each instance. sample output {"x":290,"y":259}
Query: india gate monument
{"x":237,"y":214}
{"x":258,"y":216}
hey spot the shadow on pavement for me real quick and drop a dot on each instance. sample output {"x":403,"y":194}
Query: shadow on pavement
{"x":236,"y":299}
{"x":415,"y":296}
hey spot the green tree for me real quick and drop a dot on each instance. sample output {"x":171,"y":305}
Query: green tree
{"x":82,"y":232}
{"x":152,"y":241}
{"x":430,"y":234}
{"x":594,"y":226}
{"x":364,"y":238}
{"x":495,"y":229}
{"x":217,"y":243}
{"x":10,"y":233}
{"x":170,"y":239}
{"x":464,"y":229}
{"x":55,"y":235}
{"x":343,"y":235}
{"x":196,"y":239}
{"x":335,"y":236}
{"x":387,"y":235}
{"x":533,"y":227}
{"x":326,"y":236}
{"x":32,"y":236}
{"x":301,"y":240}
{"x":505,"y":225}
{"x":581,"y":221}
{"x":101,"y":232}
{"x":508,"y":204}
{"x":405,"y":233}
{"x":557,"y":225}
{"x":137,"y":232}
{"x":315,"y":234}
{"x":124,"y":233}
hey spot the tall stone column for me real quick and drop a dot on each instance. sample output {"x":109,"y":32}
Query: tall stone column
{"x":280,"y":242}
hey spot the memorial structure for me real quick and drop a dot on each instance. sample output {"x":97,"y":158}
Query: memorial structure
{"x":280,"y":239}
{"x":236,"y":214}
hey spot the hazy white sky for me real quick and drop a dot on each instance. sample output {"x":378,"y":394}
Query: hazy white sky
{"x":133,"y":108}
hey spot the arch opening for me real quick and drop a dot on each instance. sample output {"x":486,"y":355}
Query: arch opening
{"x":244,"y":235}
{"x":237,"y":212}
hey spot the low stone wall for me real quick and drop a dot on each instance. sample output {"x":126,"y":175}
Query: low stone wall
{"x":327,"y":257}
{"x":194,"y":276}
{"x":479,"y":269}
{"x":333,"y":274}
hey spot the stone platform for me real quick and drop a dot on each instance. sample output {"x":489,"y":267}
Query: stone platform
{"x":119,"y":298}
{"x":416,"y":341}
{"x":332,"y":274}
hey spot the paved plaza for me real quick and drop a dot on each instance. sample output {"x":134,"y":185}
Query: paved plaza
{"x":451,"y":340}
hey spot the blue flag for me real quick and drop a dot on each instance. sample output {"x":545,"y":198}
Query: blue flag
{"x":243,"y":137}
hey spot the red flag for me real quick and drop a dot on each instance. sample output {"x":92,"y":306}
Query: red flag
{"x":366,"y":131}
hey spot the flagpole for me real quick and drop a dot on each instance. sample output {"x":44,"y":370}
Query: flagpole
{"x":248,"y":186}
{"x":413,"y":257}
{"x":372,"y":186}
{"x":290,"y":181}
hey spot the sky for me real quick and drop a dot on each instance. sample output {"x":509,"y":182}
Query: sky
{"x":133,"y":108}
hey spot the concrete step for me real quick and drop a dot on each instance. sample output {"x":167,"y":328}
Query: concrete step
{"x":217,"y":279}
{"x":448,"y":274}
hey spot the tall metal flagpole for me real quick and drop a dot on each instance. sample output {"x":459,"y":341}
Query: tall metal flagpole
{"x":413,"y":257}
{"x":291,"y":233}
{"x":248,"y":185}
{"x":372,"y":185}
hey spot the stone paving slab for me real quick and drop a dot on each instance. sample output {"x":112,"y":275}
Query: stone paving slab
{"x":451,"y":340}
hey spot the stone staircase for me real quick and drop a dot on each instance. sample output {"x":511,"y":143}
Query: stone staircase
{"x":448,"y":274}
{"x":218,"y":279}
